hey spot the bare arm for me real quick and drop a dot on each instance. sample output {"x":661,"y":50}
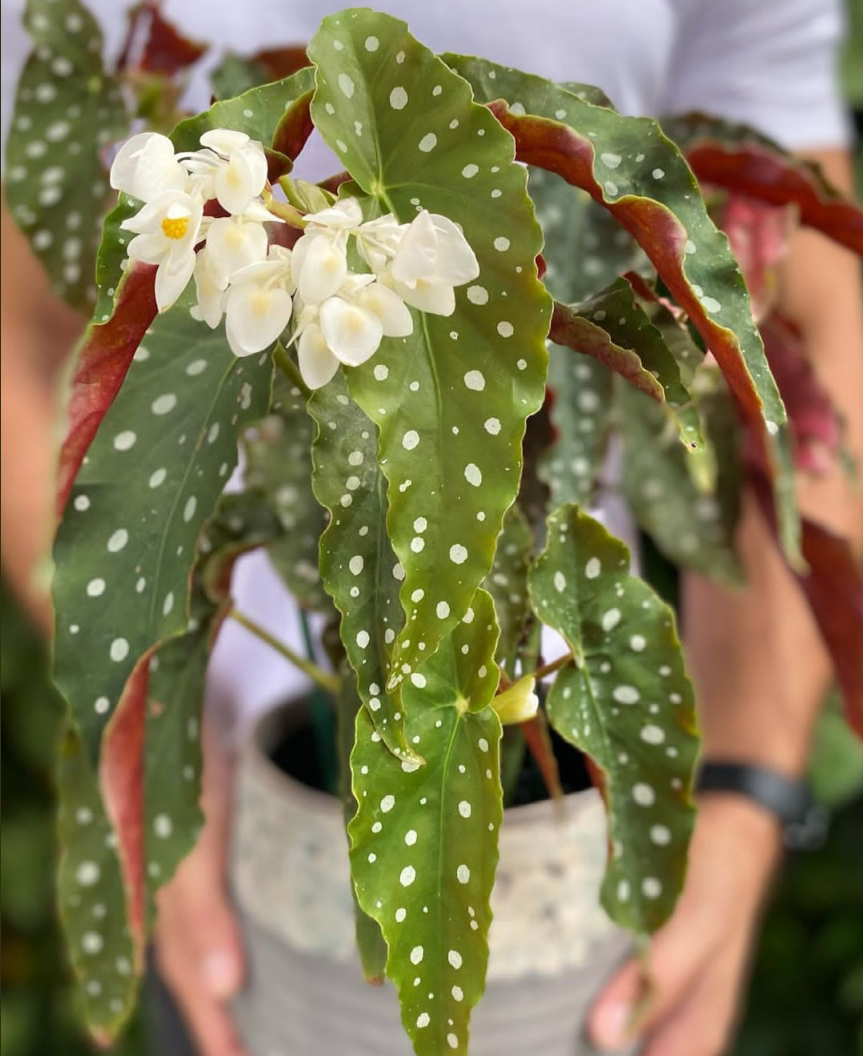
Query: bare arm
{"x":37,"y":334}
{"x":755,"y":654}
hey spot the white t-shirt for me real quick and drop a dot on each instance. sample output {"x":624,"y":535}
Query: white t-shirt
{"x":769,"y":63}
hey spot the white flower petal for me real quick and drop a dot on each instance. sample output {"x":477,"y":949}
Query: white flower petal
{"x":224,"y":141}
{"x":149,"y":248}
{"x":392,"y":311}
{"x":353,"y":333}
{"x":344,"y":215}
{"x":258,"y":211}
{"x":275,"y":270}
{"x":255,"y":317}
{"x":211,"y":296}
{"x":233,"y":244}
{"x":146,"y":165}
{"x":317,"y":363}
{"x":433,"y":249}
{"x":378,"y":240}
{"x":416,"y":257}
{"x":433,"y":297}
{"x":320,"y":267}
{"x":456,"y":261}
{"x":238,"y":180}
{"x":172,"y":277}
{"x":171,"y":204}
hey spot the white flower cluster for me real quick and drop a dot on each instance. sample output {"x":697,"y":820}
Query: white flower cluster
{"x":340,"y":315}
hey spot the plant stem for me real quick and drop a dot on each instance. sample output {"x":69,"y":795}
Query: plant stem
{"x":555,"y":665}
{"x":287,"y":366}
{"x":326,"y":681}
{"x":285,"y":211}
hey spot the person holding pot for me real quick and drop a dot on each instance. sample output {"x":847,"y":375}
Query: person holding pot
{"x":755,"y":656}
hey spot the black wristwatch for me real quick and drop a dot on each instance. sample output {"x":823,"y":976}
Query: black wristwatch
{"x":804,"y":823}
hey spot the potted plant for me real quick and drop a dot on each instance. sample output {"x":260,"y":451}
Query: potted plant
{"x":385,"y":344}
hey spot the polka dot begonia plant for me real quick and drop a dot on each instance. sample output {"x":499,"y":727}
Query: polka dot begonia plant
{"x":418,"y":471}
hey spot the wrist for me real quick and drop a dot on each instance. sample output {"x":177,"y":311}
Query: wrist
{"x":735,"y":822}
{"x":786,"y":801}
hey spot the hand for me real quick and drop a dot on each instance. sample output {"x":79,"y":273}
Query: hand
{"x":199,"y":952}
{"x":699,"y":960}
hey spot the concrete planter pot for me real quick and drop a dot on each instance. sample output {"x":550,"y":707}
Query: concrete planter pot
{"x":551,"y":944}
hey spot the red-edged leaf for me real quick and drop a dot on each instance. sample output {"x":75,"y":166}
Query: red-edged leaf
{"x":817,"y":424}
{"x":634,"y":171}
{"x":282,"y":62}
{"x":741,"y":160}
{"x":581,"y":335}
{"x":121,"y":776}
{"x":154,"y":45}
{"x":834,"y":589}
{"x":759,"y":236}
{"x":538,"y":741}
{"x":292,"y":131}
{"x":150,"y":757}
{"x":167,"y":50}
{"x":833,"y":586}
{"x":103,"y":362}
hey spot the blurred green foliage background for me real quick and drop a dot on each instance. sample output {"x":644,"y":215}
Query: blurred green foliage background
{"x":806,"y":997}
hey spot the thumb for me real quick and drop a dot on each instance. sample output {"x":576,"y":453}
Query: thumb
{"x":196,"y":927}
{"x":219,"y":950}
{"x":196,"y":930}
{"x":641,"y":993}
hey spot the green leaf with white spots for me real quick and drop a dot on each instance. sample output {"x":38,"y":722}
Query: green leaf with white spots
{"x":175,"y":687}
{"x":576,"y":331}
{"x":111,"y":259}
{"x":580,"y":412}
{"x":683,"y":343}
{"x":692,"y":526}
{"x":507,"y":584}
{"x":68,"y":111}
{"x":258,"y":112}
{"x":585,"y":250}
{"x":619,"y":314}
{"x":424,"y":840}
{"x":358,"y":567}
{"x":633,"y":170}
{"x":370,"y":942}
{"x":91,"y":896}
{"x":279,"y":463}
{"x":626,"y":701}
{"x":153,"y":474}
{"x":149,"y":772}
{"x":450,"y":401}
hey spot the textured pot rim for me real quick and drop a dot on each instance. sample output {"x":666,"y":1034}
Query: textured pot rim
{"x":283,"y":785}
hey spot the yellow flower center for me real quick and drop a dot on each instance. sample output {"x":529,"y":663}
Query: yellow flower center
{"x":175,"y":226}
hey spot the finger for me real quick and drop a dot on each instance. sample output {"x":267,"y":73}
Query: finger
{"x":196,"y":926}
{"x":637,"y":997}
{"x":217,"y":948}
{"x":207,"y":1020}
{"x":702,"y":1024}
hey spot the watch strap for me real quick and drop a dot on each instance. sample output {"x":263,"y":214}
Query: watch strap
{"x":789,"y":799}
